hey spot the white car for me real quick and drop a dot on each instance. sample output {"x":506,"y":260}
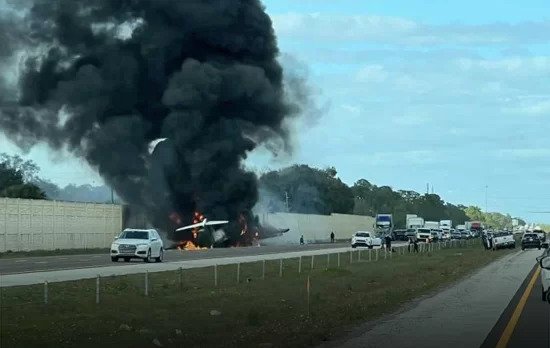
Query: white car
{"x":136,"y":243}
{"x":544,"y":262}
{"x":365,"y":239}
{"x":503,"y":240}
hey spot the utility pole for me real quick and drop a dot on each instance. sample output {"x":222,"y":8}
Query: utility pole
{"x":286,"y":201}
{"x":112,"y":196}
{"x":427,"y":188}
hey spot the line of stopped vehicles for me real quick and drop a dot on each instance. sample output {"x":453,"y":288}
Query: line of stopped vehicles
{"x":417,"y":229}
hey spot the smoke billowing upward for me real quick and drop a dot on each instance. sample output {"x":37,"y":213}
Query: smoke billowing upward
{"x":104,"y":78}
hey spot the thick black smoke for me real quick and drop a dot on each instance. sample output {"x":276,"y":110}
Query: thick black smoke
{"x":106,"y":77}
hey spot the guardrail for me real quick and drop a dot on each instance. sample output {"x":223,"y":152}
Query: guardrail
{"x":276,"y":268}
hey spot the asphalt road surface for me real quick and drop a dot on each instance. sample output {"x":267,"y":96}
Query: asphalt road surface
{"x":54,"y":263}
{"x":526,"y":320}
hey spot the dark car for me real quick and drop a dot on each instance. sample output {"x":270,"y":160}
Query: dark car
{"x":400,"y":234}
{"x":411,"y":232}
{"x":530,"y":240}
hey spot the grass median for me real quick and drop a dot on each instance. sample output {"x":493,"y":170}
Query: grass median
{"x":185,"y":308}
{"x":56,"y":252}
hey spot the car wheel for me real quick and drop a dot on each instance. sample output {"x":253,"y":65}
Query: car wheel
{"x":126,"y":259}
{"x":522,"y":248}
{"x":114,"y":258}
{"x":370,"y":247}
{"x":148,"y":257}
{"x":543,"y":295}
{"x":161,"y":254}
{"x":354,"y":246}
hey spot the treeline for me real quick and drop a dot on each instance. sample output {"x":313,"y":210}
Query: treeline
{"x":307,"y":190}
{"x":19,"y":179}
{"x":296,"y":189}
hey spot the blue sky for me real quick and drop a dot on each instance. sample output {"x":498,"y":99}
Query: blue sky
{"x":455,"y":94}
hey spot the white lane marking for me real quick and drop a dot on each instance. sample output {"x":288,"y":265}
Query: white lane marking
{"x":18,"y":261}
{"x":62,"y":258}
{"x":96,"y":256}
{"x":41,"y":262}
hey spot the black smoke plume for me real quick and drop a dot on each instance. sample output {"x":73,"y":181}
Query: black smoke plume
{"x":104,"y":78}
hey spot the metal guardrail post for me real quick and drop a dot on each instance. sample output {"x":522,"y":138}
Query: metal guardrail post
{"x":146,"y":283}
{"x":97,"y":290}
{"x":46,"y":292}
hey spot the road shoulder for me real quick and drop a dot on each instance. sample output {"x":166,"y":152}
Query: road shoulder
{"x":460,"y":315}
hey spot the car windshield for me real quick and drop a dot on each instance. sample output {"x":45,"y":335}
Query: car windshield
{"x":531,"y":235}
{"x":134,"y":235}
{"x":424,"y":230}
{"x":362,"y":234}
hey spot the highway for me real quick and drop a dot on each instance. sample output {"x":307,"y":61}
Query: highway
{"x":526,"y":320}
{"x":53,"y":263}
{"x":35,"y":270}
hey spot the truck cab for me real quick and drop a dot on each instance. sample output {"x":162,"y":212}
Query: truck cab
{"x":383,"y":225}
{"x":424,"y":234}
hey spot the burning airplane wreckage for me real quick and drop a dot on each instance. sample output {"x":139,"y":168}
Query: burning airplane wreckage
{"x":104,"y":79}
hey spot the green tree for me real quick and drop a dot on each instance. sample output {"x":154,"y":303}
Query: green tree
{"x":12,"y":179}
{"x":310,"y":190}
{"x":474,"y":213}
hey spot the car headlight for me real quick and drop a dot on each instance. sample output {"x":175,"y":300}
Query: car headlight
{"x":114,"y":245}
{"x":142,"y":245}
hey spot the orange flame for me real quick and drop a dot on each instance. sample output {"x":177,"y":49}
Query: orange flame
{"x":244,"y":224}
{"x":189,"y":245}
{"x":192,"y":244}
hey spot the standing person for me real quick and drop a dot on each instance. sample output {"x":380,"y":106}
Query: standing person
{"x":388,"y":243}
{"x":415,"y":241}
{"x":302,"y":239}
{"x":490,"y":241}
{"x":332,"y":237}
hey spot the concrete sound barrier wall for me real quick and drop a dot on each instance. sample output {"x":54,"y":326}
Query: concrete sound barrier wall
{"x":47,"y":225}
{"x":316,"y":228}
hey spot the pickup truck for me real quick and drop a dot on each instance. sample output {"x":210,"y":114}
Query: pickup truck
{"x":424,"y":234}
{"x":503,"y":240}
{"x":365,"y":239}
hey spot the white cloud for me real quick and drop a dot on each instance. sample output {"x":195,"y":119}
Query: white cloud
{"x":532,"y":108}
{"x":397,"y":30}
{"x":514,"y":65}
{"x":524,"y":153}
{"x":401,"y":158}
{"x":410,"y":120}
{"x":321,"y":26}
{"x":353,"y":109}
{"x":372,"y":73}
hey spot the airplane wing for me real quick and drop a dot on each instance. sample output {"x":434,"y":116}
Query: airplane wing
{"x":220,"y":222}
{"x":190,"y":227}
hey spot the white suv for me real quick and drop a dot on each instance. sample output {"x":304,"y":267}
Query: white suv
{"x":366,"y":239}
{"x":136,"y":243}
